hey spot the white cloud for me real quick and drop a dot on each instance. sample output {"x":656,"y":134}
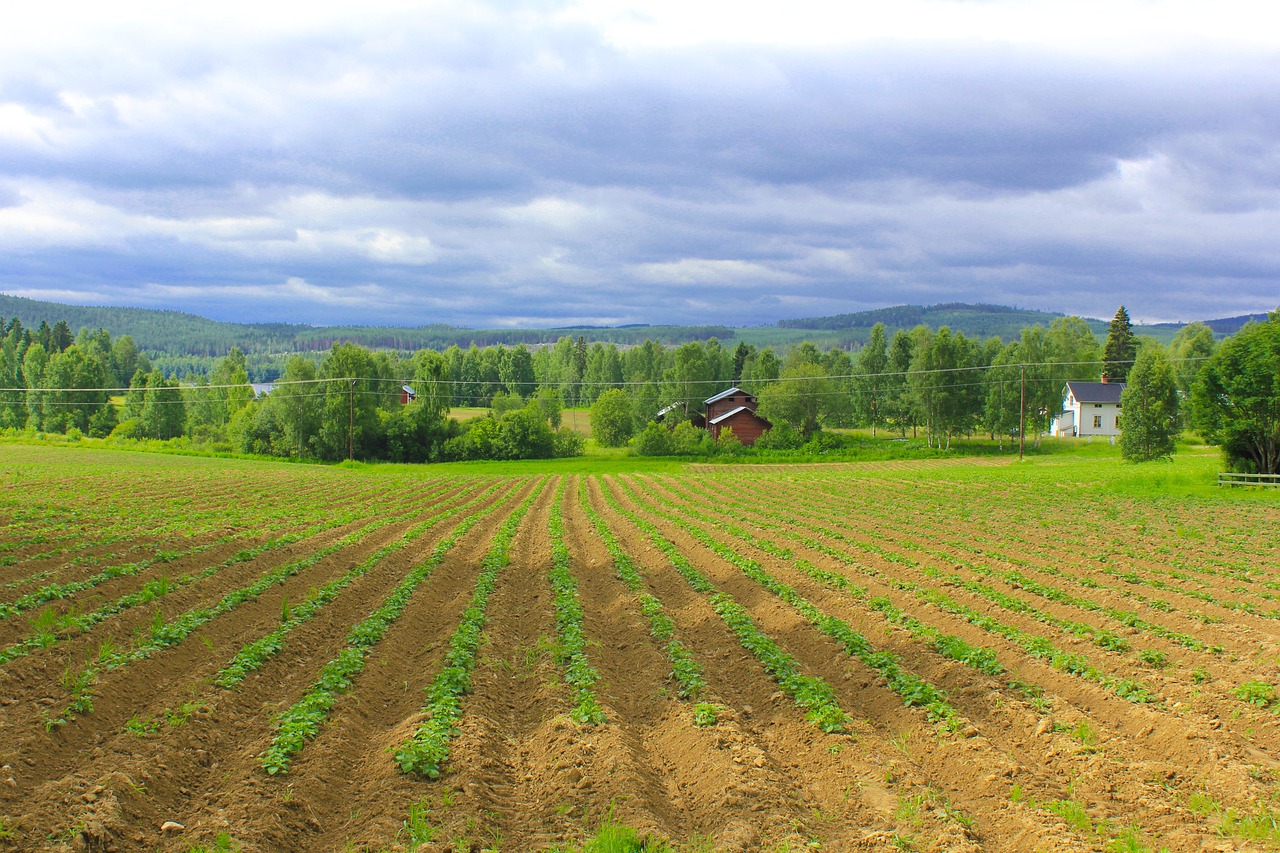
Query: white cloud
{"x":710,"y":271}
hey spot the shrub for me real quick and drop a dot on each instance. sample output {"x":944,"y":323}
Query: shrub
{"x":504,"y":403}
{"x":569,"y":442}
{"x":103,"y":421}
{"x":689,"y":440}
{"x":653,"y":440}
{"x":612,"y":423}
{"x":728,"y":442}
{"x":780,"y":437}
{"x":821,"y":442}
{"x":129,"y":430}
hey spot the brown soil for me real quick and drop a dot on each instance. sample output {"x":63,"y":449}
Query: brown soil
{"x":1038,"y":759}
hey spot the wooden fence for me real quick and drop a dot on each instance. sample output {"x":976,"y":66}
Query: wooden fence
{"x":1230,"y":478}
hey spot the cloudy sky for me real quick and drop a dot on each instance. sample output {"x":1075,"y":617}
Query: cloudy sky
{"x":538,"y":163}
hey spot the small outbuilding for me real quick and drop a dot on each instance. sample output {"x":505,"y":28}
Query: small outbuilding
{"x":1089,"y":408}
{"x":407,"y":395}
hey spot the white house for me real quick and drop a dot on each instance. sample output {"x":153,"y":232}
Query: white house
{"x":1089,"y":408}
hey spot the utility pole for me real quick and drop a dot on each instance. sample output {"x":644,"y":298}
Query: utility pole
{"x":351,"y":419}
{"x":1022,"y":413}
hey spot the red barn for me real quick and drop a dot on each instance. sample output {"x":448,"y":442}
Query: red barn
{"x":735,"y":409}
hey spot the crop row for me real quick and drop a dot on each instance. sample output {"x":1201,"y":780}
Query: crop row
{"x":1149,"y":577}
{"x":684,"y":668}
{"x":302,"y":721}
{"x":164,"y":634}
{"x":255,"y":654}
{"x":571,"y":652}
{"x":49,"y":627}
{"x":155,"y":514}
{"x":63,"y":590}
{"x":810,"y":693}
{"x":982,"y":659}
{"x":1019,"y":580}
{"x":425,"y":752}
{"x":1035,"y":645}
{"x":914,"y":690}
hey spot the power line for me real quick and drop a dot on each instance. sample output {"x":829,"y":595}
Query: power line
{"x":555,"y":383}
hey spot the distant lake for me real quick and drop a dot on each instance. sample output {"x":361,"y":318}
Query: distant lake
{"x":260,"y":388}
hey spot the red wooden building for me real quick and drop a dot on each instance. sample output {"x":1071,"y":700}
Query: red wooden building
{"x":735,"y":409}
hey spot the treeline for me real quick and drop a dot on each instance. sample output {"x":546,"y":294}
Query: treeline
{"x":946,"y":384}
{"x":351,"y":402}
{"x":54,"y":381}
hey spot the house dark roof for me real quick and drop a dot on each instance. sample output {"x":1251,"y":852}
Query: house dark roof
{"x":724,"y":394}
{"x":1096,"y":392}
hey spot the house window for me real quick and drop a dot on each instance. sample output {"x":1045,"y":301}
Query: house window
{"x":1117,"y":422}
{"x":1097,"y":405}
{"x":1097,"y":421}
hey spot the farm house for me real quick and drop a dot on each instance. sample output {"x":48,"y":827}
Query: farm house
{"x":1089,"y":408}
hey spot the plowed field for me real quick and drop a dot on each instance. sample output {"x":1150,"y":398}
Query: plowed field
{"x":204,"y":654}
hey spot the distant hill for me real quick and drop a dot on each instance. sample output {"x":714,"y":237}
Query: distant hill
{"x":974,"y":320}
{"x":155,"y":330}
{"x":179,"y":333}
{"x":1223,"y":327}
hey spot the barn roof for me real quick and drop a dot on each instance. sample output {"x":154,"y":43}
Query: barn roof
{"x":724,"y":394}
{"x":729,"y":415}
{"x":1096,"y":392}
{"x":406,"y":389}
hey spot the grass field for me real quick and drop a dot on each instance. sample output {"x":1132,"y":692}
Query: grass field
{"x":961,"y":654}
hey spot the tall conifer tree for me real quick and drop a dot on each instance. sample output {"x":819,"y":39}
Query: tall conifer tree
{"x":1121,"y":348}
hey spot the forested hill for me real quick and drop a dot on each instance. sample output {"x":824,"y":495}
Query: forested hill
{"x":980,"y":320}
{"x":178,"y":333}
{"x":157,"y":331}
{"x":985,"y":321}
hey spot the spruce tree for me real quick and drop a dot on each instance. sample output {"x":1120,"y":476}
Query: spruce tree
{"x":1121,"y":348}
